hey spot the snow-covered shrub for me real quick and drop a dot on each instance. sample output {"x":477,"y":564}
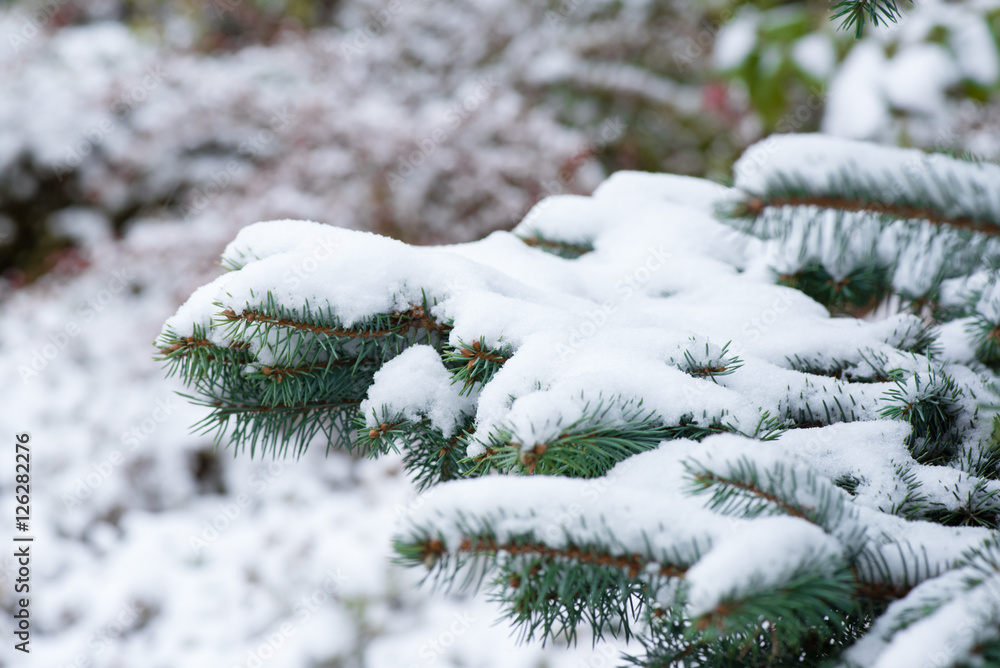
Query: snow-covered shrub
{"x":436,"y":121}
{"x":427,"y":121}
{"x":649,"y":412}
{"x":930,"y":79}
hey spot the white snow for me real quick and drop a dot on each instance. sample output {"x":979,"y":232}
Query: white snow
{"x":916,"y":78}
{"x":866,"y":651}
{"x":912,"y":96}
{"x":761,"y":556}
{"x":819,"y":162}
{"x":668,"y":528}
{"x":417,"y":385}
{"x":639,"y":187}
{"x":855,"y":102}
{"x":975,"y":50}
{"x":736,"y":40}
{"x":950,"y":633}
{"x":815,"y":54}
{"x":602,"y":315}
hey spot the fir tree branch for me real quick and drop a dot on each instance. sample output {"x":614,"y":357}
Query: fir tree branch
{"x":549,"y":591}
{"x":278,"y":427}
{"x":672,"y":644}
{"x":429,"y":551}
{"x":807,"y":602}
{"x":839,"y":403}
{"x":195,"y":357}
{"x":931,"y":406}
{"x":711,"y":364}
{"x":979,"y":506}
{"x":429,"y":456}
{"x":561,"y":249}
{"x":592,"y":444}
{"x":856,"y":13}
{"x":741,"y":487}
{"x":889,"y":571}
{"x":870,"y":367}
{"x":856,"y":294}
{"x":474,"y":364}
{"x":755,"y":206}
{"x":914,"y":502}
{"x":705,"y":481}
{"x":908,"y":194}
{"x":551,"y":598}
{"x":985,"y":335}
{"x":416,"y":317}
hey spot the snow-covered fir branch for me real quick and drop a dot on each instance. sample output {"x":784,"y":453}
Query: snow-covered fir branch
{"x":672,"y":435}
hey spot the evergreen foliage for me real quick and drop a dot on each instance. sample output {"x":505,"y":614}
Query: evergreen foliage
{"x":857,"y":13}
{"x":745,"y":426}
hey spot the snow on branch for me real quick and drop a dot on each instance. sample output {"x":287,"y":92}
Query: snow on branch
{"x":731,"y":438}
{"x":800,"y":170}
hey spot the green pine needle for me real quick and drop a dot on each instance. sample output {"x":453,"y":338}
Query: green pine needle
{"x":856,"y":13}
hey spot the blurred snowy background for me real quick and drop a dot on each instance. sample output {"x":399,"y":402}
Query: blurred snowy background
{"x":137,"y":137}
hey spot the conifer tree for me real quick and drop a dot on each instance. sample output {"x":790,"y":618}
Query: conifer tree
{"x":739,"y":426}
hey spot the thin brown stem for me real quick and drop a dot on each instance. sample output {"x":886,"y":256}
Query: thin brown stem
{"x":634,"y":563}
{"x":414,"y":318}
{"x":756,"y":205}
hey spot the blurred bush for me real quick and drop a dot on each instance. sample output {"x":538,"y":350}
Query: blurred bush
{"x":931,"y":81}
{"x":435,"y":120}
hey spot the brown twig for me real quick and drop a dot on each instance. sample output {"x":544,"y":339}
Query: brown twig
{"x":756,"y":205}
{"x":415,"y":318}
{"x":635,"y":563}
